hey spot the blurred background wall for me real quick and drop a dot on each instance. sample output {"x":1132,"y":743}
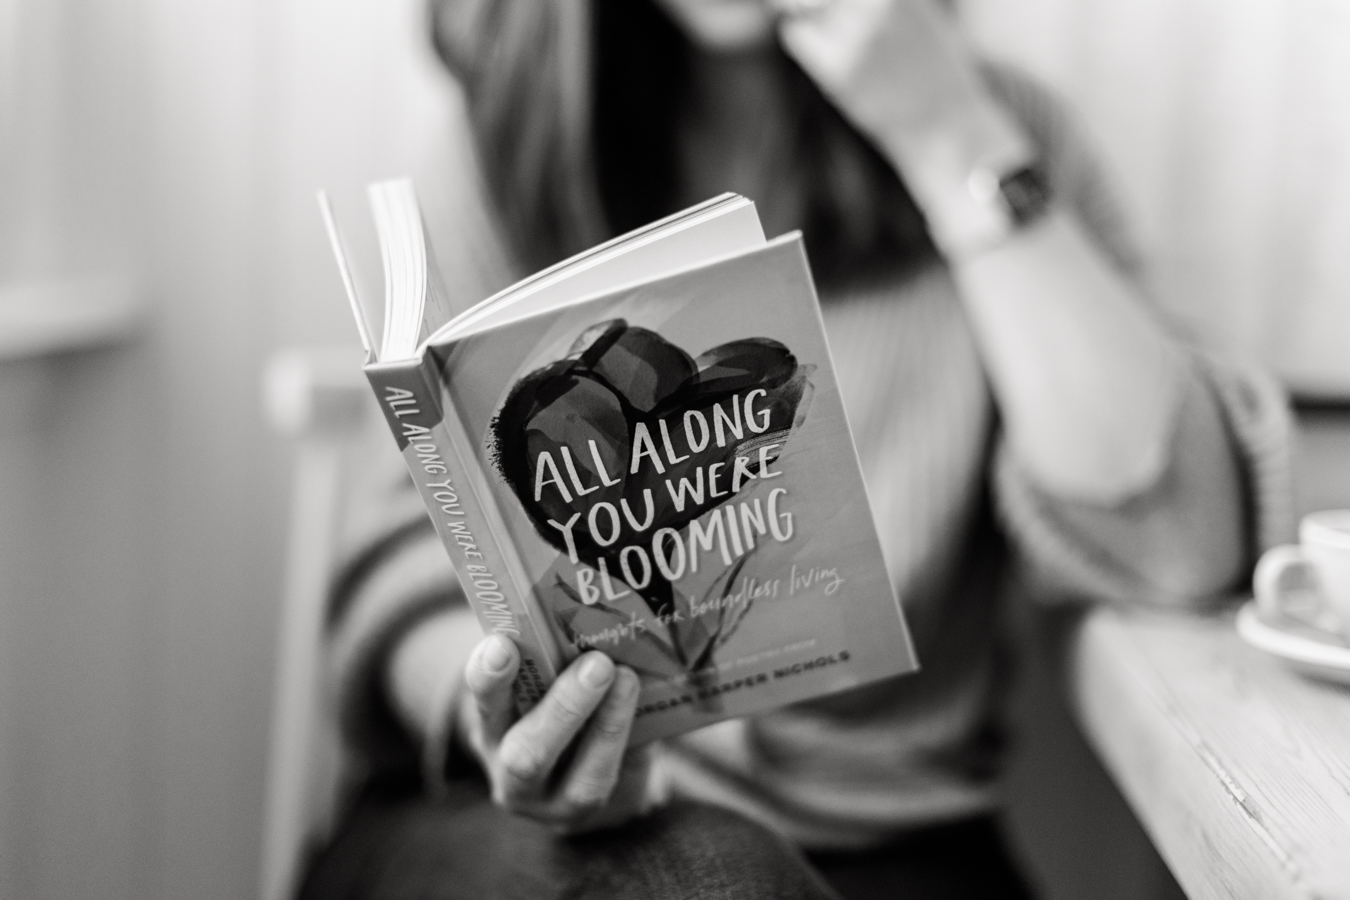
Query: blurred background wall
{"x":160,"y":158}
{"x":175,"y":147}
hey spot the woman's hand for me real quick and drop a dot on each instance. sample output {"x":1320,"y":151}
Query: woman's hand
{"x":566,"y":762}
{"x":901,"y":72}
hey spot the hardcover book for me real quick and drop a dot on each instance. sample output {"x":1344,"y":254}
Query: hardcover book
{"x":642,"y":451}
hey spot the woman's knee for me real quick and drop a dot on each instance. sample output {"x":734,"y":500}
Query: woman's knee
{"x":468,"y":848}
{"x":696,"y":850}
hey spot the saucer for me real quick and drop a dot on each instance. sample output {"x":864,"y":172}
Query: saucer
{"x":1309,"y":651}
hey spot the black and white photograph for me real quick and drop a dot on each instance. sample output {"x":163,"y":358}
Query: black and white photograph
{"x":671,"y":449}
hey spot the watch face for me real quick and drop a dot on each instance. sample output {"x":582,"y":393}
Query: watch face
{"x":1026,"y":193}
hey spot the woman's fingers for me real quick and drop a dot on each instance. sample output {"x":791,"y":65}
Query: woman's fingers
{"x":489,"y":675}
{"x":589,"y":709}
{"x":599,"y":758}
{"x":531,"y":748}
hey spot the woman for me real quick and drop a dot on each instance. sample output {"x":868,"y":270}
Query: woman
{"x":1013,"y":395}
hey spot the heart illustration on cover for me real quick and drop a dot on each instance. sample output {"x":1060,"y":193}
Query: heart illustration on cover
{"x":705,"y":428}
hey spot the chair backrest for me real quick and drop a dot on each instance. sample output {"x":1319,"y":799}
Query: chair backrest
{"x":319,"y":398}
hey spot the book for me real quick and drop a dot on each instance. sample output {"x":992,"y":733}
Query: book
{"x":642,"y":450}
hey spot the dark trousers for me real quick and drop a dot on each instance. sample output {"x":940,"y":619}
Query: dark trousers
{"x":404,"y":846}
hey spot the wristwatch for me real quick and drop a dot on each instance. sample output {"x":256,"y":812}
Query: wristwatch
{"x":1022,"y":195}
{"x":999,"y":204}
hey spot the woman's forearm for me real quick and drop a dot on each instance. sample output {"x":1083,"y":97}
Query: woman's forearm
{"x":1088,"y":381}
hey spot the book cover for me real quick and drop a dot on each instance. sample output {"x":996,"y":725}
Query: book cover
{"x":670,"y":478}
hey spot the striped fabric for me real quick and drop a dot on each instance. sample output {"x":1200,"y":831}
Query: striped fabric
{"x":955,"y":513}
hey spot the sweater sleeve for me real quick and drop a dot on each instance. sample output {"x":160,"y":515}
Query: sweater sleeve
{"x":1226,"y":492}
{"x":395,"y":575}
{"x":1195,"y":533}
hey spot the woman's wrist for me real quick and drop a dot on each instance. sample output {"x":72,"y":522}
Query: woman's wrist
{"x":1001,"y":204}
{"x":972,"y":170}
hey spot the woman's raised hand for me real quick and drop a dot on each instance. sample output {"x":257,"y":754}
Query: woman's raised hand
{"x":904,"y":75}
{"x":566,"y":762}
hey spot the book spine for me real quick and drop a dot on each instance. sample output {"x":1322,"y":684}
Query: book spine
{"x":412,"y":406}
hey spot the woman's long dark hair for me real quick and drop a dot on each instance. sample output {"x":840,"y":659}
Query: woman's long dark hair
{"x":573,"y":105}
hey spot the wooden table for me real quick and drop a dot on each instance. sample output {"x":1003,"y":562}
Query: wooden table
{"x":1238,"y":768}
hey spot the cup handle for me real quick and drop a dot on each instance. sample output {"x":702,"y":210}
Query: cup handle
{"x":1281,"y":571}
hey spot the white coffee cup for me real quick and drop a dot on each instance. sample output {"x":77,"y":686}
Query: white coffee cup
{"x":1309,"y":581}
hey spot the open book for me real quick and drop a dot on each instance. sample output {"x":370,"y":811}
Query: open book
{"x":642,"y":450}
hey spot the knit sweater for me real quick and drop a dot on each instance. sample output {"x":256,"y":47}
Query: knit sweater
{"x":961,"y":524}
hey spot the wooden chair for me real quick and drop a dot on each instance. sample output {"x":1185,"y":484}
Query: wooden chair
{"x":318,"y":398}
